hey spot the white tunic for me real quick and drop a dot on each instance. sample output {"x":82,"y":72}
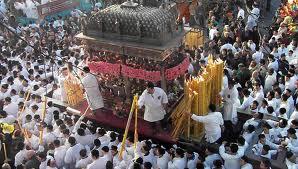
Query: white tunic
{"x":177,"y":163}
{"x":230,"y":97}
{"x":82,"y":163}
{"x":59,"y":155}
{"x":11,"y":109}
{"x":100,"y":163}
{"x":92,"y":91}
{"x":212,"y":123}
{"x":154,"y":110}
{"x":162,"y":162}
{"x":62,"y":91}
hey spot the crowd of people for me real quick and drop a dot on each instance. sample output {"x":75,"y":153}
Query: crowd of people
{"x":260,"y":78}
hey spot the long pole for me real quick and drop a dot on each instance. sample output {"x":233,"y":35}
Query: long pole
{"x":133,"y":106}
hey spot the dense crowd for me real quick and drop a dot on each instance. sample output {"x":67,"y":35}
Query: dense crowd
{"x":260,"y":78}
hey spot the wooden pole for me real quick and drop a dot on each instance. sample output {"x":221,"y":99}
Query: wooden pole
{"x":163,"y":78}
{"x":133,"y":106}
{"x":5,"y":152}
{"x":136,"y":127}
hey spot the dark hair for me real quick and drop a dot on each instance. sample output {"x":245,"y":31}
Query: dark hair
{"x":234,"y":148}
{"x":267,"y":163}
{"x":109,"y":165}
{"x":105,"y":149}
{"x":270,"y":109}
{"x":101,"y":131}
{"x":241,"y":140}
{"x":246,"y":92}
{"x":282,"y":110}
{"x":97,"y":142}
{"x":150,"y":85}
{"x":86,"y":69}
{"x":217,"y":163}
{"x":71,"y":140}
{"x":261,"y":136}
{"x":147,"y":165}
{"x":95,"y":153}
{"x":289,"y":154}
{"x":114,"y":148}
{"x":266,"y":147}
{"x":250,"y":128}
{"x":180,"y":152}
{"x":57,"y":143}
{"x":245,"y":158}
{"x":212,"y":107}
{"x":83,"y":152}
{"x":81,"y":132}
{"x":291,"y":131}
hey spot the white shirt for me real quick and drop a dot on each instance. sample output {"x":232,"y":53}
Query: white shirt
{"x":246,"y":166}
{"x":11,"y":109}
{"x":83,"y":163}
{"x":162,"y":162}
{"x":73,"y":154}
{"x":273,"y":65}
{"x":210,"y":158}
{"x":212,"y":123}
{"x":92,"y":92}
{"x":240,"y":14}
{"x":192,"y":163}
{"x":257,"y":56}
{"x":248,"y":136}
{"x":177,"y":163}
{"x":9,"y":119}
{"x":231,"y":161}
{"x":100,"y":163}
{"x":154,"y":110}
{"x":247,"y":101}
{"x":59,"y":155}
{"x":20,"y":157}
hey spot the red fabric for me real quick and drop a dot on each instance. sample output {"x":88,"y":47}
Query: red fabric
{"x":111,"y":120}
{"x":178,"y":70}
{"x":105,"y":68}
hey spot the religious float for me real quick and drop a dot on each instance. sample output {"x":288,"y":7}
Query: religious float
{"x":130,"y":44}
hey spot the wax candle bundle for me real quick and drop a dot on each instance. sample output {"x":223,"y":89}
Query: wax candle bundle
{"x":74,"y":92}
{"x":199,"y":92}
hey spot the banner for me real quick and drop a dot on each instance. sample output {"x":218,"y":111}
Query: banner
{"x":174,"y":72}
{"x":152,"y":76}
{"x":105,"y":68}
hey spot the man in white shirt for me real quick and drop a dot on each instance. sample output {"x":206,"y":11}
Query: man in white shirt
{"x":155,"y":100}
{"x":92,"y":90}
{"x":244,"y":163}
{"x":162,"y":158}
{"x":85,"y":159}
{"x":5,"y":118}
{"x":212,"y":124}
{"x":240,"y":15}
{"x":10,"y":107}
{"x":59,"y":153}
{"x":98,"y":162}
{"x":232,"y":158}
{"x":73,"y":153}
{"x":177,"y":162}
{"x":21,"y":155}
{"x":212,"y":155}
{"x":258,"y":55}
{"x":229,"y":96}
{"x":247,"y":101}
{"x":192,"y":159}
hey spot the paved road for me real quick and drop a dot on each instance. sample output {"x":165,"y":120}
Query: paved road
{"x":267,"y":19}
